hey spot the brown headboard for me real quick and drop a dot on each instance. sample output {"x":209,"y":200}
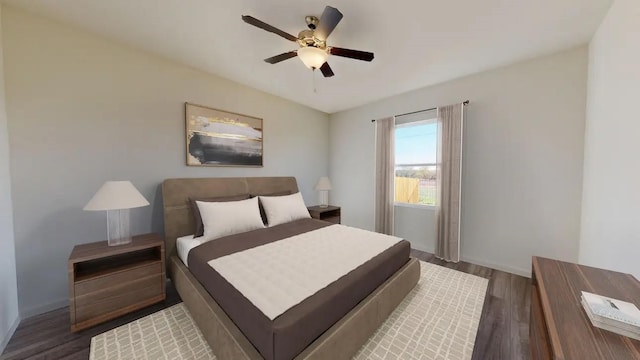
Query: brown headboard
{"x":178,"y":220}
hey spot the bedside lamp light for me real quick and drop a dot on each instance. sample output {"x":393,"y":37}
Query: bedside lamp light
{"x":323,"y":186}
{"x":116,"y":198}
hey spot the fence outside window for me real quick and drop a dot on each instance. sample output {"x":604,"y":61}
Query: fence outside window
{"x":416,"y":184}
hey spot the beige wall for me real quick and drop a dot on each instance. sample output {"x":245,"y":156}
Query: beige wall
{"x":83,"y":110}
{"x":610,"y":236}
{"x":523,"y":153}
{"x":8,"y":287}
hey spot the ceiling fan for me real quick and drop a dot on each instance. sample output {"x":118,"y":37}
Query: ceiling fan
{"x":313,"y":49}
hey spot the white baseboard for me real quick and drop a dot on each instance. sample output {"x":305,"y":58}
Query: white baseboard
{"x":4,"y":341}
{"x":509,"y":269}
{"x":41,"y":309}
{"x":423,"y":249}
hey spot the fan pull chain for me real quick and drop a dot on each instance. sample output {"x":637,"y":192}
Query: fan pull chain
{"x":313,"y":75}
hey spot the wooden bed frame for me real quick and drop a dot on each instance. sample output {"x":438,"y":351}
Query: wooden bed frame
{"x":341,"y":341}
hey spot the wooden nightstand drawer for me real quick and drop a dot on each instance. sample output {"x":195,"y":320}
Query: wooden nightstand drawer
{"x":115,"y":298}
{"x":109,"y":281}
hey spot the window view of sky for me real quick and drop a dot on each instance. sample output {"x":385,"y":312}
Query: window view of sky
{"x":416,"y":144}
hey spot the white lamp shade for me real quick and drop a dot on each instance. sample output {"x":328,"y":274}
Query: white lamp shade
{"x":312,"y":57}
{"x":323,"y":184}
{"x":116,"y":195}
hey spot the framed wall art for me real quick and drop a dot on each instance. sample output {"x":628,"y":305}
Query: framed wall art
{"x":222,"y":138}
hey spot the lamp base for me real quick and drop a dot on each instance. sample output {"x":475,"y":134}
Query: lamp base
{"x":118,"y":229}
{"x":120,"y":241}
{"x":324,"y":198}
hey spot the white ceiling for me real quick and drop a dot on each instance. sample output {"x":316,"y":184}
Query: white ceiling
{"x":416,"y":42}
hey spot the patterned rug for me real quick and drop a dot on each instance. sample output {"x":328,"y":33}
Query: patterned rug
{"x":437,"y":320}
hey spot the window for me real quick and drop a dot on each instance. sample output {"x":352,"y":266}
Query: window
{"x":415,"y":156}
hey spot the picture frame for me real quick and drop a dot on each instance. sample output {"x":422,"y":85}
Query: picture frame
{"x":217,"y":137}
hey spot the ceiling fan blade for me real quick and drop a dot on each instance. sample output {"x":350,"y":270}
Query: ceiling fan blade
{"x":284,"y":56}
{"x":326,"y":70}
{"x":328,"y":21}
{"x":264,"y":26}
{"x":353,"y":54}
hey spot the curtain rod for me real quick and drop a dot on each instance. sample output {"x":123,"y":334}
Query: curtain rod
{"x":466,"y":102}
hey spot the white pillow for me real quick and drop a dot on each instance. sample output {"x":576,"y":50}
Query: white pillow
{"x":228,"y":218}
{"x":284,"y":209}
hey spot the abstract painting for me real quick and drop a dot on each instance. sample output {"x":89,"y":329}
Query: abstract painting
{"x":221,"y":138}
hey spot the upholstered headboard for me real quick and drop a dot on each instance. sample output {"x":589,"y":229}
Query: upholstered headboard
{"x":178,"y":220}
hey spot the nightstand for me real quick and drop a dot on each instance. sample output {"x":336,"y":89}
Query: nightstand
{"x":329,"y":213}
{"x":106,"y":282}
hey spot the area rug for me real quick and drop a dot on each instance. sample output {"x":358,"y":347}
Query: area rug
{"x":437,"y":320}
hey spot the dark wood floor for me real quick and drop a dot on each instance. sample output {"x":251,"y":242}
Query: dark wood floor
{"x":48,"y":336}
{"x":503,"y":332}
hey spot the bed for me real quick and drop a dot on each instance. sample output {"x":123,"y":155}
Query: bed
{"x":317,"y":328}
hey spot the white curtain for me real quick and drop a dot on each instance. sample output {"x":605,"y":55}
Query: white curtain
{"x":385,"y":175}
{"x":449,"y":177}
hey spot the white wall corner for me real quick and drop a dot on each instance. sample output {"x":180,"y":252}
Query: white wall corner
{"x":4,"y":340}
{"x":9,"y":315}
{"x":41,"y":309}
{"x":512,"y":270}
{"x":610,"y":232}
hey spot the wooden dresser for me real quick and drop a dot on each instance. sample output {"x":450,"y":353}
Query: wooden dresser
{"x":109,"y":281}
{"x":559,"y":327}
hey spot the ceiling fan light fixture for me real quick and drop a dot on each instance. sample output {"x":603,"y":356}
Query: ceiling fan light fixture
{"x":312,"y":42}
{"x":312,"y":57}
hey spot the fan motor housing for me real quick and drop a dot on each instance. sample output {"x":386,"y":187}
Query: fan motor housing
{"x":312,"y":22}
{"x":307,"y":38}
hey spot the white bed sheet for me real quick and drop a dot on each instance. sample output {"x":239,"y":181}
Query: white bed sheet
{"x":278,"y":275}
{"x":185,"y":244}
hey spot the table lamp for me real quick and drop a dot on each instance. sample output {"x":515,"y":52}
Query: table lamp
{"x":116,"y":198}
{"x":324,"y":185}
